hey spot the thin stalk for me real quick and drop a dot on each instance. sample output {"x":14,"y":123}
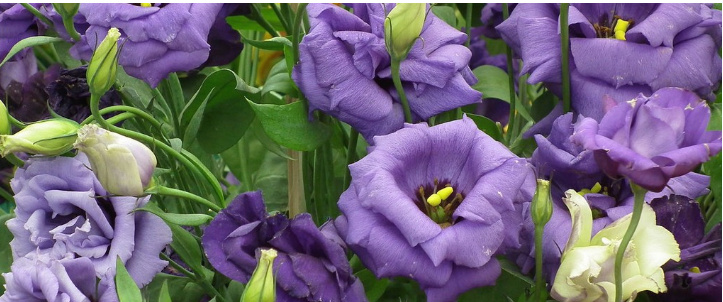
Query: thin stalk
{"x":511,"y":78}
{"x":6,"y":195}
{"x":468,"y":26}
{"x":137,"y":112}
{"x":295,"y":38}
{"x":70,"y":28}
{"x":350,"y":155}
{"x":297,"y":202}
{"x":13,"y":159}
{"x":121,"y":117}
{"x":400,"y":90}
{"x":539,"y":279}
{"x":37,"y":14}
{"x":282,"y":18}
{"x":16,"y":122}
{"x":161,"y":190}
{"x":565,"y":46}
{"x":256,"y":13}
{"x":244,"y":158}
{"x":177,"y":266}
{"x":639,"y":197}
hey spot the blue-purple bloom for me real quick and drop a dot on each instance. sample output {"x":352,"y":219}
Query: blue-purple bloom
{"x":157,"y":40}
{"x":344,"y":69}
{"x":651,"y":139}
{"x":447,"y":248}
{"x":666,"y":45}
{"x":62,"y":207}
{"x":17,"y":24}
{"x":309,"y":266}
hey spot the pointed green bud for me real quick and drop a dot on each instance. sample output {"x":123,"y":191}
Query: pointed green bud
{"x":103,"y":65}
{"x":262,"y":285}
{"x":4,"y":119}
{"x":402,"y":27}
{"x":49,"y":137}
{"x":66,"y":10}
{"x":123,"y":165}
{"x":541,"y":203}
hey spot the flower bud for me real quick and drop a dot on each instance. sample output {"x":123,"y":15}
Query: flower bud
{"x":541,"y":203}
{"x":402,"y":27}
{"x":123,"y":165}
{"x":4,"y":120}
{"x":49,"y":137}
{"x":104,"y":64}
{"x":262,"y":285}
{"x":66,"y":10}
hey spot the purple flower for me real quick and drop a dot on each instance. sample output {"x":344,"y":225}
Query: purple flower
{"x":491,"y":16}
{"x":651,"y":139}
{"x":309,"y":266}
{"x":697,"y":276}
{"x":61,"y":206}
{"x":158,"y":40}
{"x":44,"y":277}
{"x":569,"y":166}
{"x":225,"y":41}
{"x":448,"y":248}
{"x":665,"y":45}
{"x":344,"y":69}
{"x":17,"y":24}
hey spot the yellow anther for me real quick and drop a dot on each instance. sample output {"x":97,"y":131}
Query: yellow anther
{"x":444,"y":193}
{"x":146,"y":5}
{"x":434,"y":200}
{"x":695,"y":269}
{"x":596,"y":188}
{"x":621,"y":26}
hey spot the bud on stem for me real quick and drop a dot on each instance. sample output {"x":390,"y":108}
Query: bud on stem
{"x":103,"y":65}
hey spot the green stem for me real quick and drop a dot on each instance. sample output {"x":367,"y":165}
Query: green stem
{"x":121,"y":117}
{"x":16,"y":122}
{"x":297,"y":202}
{"x":243,"y":162}
{"x":468,"y":26}
{"x":510,"y":77}
{"x":135,"y":111}
{"x":282,"y":18}
{"x":70,"y":28}
{"x":297,"y":29}
{"x":565,"y":46}
{"x":161,"y":190}
{"x":350,"y":155}
{"x":37,"y":14}
{"x":539,"y":278}
{"x":13,"y":159}
{"x":639,"y":197}
{"x":177,"y":266}
{"x":256,"y":14}
{"x":400,"y":90}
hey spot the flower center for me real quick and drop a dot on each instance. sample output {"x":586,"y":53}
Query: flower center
{"x":439,"y":201}
{"x":615,"y":29}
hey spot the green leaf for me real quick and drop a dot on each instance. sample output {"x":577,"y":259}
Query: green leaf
{"x":492,"y":82}
{"x":275,"y":43}
{"x":543,"y":105}
{"x":715,"y":117}
{"x":6,"y":255}
{"x":245,"y":23}
{"x":179,"y":219}
{"x":493,"y":129}
{"x":127,"y":289}
{"x":713,"y":169}
{"x":373,"y":287}
{"x":180,"y":289}
{"x":29,"y":42}
{"x":279,"y":80}
{"x":289,"y":126}
{"x":220,"y":111}
{"x":186,"y":246}
{"x":508,"y":285}
{"x":446,"y":13}
{"x":164,"y":295}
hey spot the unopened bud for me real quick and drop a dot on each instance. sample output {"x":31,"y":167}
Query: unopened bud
{"x":402,"y":27}
{"x":66,"y":10}
{"x":103,"y":65}
{"x":49,"y":137}
{"x":123,"y":165}
{"x":541,"y":203}
{"x":262,"y":285}
{"x":4,"y":119}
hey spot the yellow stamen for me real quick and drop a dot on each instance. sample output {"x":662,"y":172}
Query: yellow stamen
{"x":695,"y":269}
{"x":444,"y":193}
{"x":434,"y":200}
{"x":621,"y":26}
{"x":596,"y":188}
{"x":146,"y":5}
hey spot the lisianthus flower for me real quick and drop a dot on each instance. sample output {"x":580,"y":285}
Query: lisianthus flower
{"x":157,"y":40}
{"x":570,"y":166}
{"x":225,"y":41}
{"x":586,"y":271}
{"x":435,"y":204}
{"x":344,"y":69}
{"x":62,"y":206}
{"x":651,"y":139}
{"x":491,"y":16}
{"x":308,"y":266}
{"x":17,"y":24}
{"x":697,"y":276}
{"x":40,"y":276}
{"x":618,"y":50}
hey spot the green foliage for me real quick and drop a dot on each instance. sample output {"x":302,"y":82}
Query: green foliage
{"x":29,"y":42}
{"x":492,"y":82}
{"x":492,"y":128}
{"x":126,"y":288}
{"x":289,"y":126}
{"x":6,"y":255}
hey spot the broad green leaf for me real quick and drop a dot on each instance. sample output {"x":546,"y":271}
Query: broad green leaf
{"x":127,"y":289}
{"x":220,"y":112}
{"x":543,"y":105}
{"x":186,"y":246}
{"x":271,"y":178}
{"x":246,"y":23}
{"x":373,"y":287}
{"x":446,"y":13}
{"x":279,"y":80}
{"x":180,"y":289}
{"x":289,"y":126}
{"x":493,"y":129}
{"x":29,"y":42}
{"x":164,"y":295}
{"x":179,"y":219}
{"x":275,"y":43}
{"x":6,"y":255}
{"x":492,"y":82}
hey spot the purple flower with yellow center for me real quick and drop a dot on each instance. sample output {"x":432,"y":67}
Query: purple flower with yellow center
{"x":619,"y":50}
{"x":697,"y":276}
{"x":62,"y":207}
{"x":651,"y":139}
{"x":157,"y":40}
{"x":344,"y":69}
{"x":570,"y":166}
{"x":436,"y":204}
{"x":308,"y":267}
